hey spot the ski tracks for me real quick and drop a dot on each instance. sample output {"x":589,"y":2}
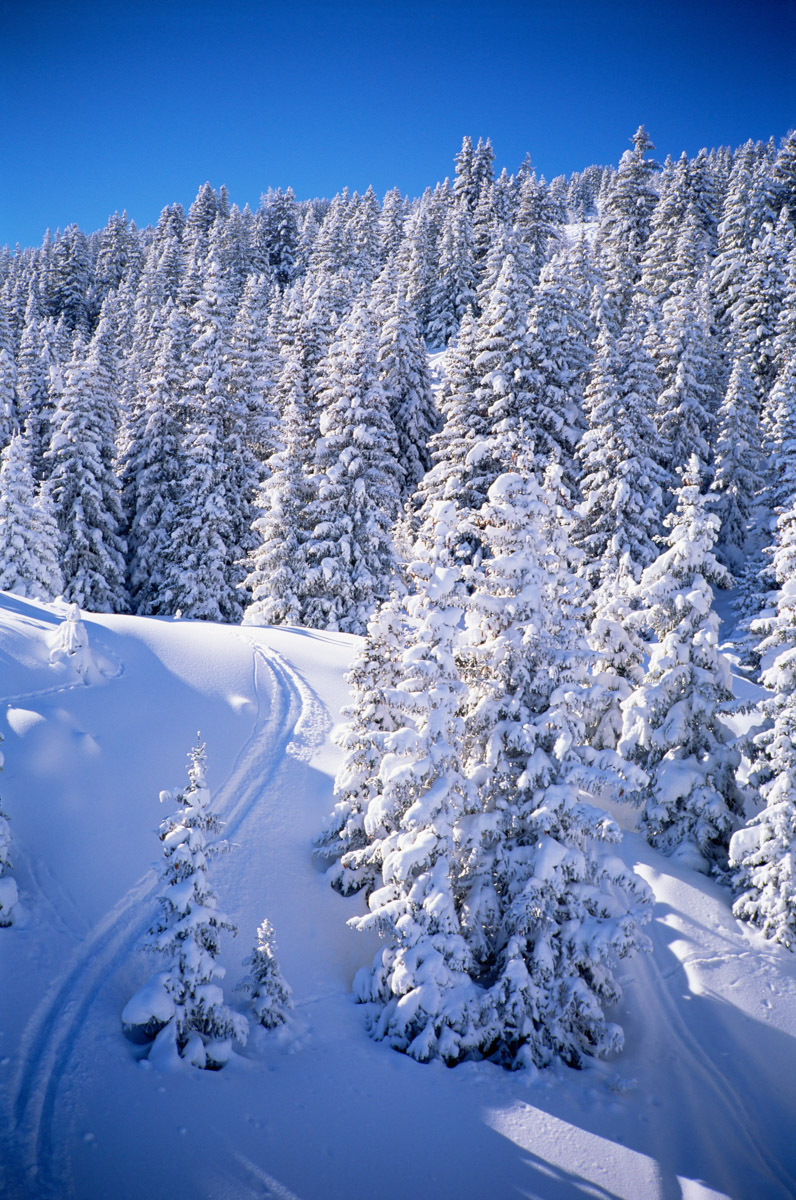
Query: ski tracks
{"x":677,"y":1043}
{"x":36,"y":1164}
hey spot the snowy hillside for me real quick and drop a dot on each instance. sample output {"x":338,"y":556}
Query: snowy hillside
{"x":700,"y":1105}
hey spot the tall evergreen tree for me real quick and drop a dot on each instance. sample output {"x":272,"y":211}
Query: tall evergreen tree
{"x":28,"y":533}
{"x":350,"y":549}
{"x":762,"y":852}
{"x":419,"y":988}
{"x":691,"y":803}
{"x":83,"y":486}
{"x":277,"y":579}
{"x":548,"y":912}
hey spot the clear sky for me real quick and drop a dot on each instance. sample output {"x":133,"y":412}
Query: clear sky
{"x":107,"y":105}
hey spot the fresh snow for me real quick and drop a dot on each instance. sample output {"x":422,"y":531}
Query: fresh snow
{"x":699,"y":1105}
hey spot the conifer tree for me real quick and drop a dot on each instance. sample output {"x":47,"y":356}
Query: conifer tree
{"x":350,"y":549}
{"x":269,"y":995}
{"x":407,"y":385}
{"x":28,"y":533}
{"x":83,"y":486}
{"x":278,"y":567}
{"x":9,"y":417}
{"x":671,"y":724}
{"x":620,"y":511}
{"x":454,"y":290}
{"x":456,"y":475}
{"x":420,"y":992}
{"x":686,"y":366}
{"x":625,"y":223}
{"x":762,"y":852}
{"x":345,"y":842}
{"x":153,"y":470}
{"x":537,"y":871}
{"x":211,"y":533}
{"x":188,"y":931}
{"x":737,"y":475}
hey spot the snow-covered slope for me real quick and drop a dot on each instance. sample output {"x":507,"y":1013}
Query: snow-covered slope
{"x":701,"y":1104}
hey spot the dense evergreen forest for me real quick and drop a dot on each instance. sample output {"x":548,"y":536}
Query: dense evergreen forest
{"x":248,"y":416}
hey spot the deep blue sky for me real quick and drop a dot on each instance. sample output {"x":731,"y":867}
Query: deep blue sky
{"x":107,"y":105}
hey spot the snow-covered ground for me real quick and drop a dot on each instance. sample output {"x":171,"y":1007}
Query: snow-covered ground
{"x":701,"y":1104}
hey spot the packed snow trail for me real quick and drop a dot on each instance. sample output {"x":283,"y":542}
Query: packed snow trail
{"x":54,"y":1030}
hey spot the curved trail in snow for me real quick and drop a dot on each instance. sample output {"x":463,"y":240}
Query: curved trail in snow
{"x":284,"y":704}
{"x":701,"y":1076}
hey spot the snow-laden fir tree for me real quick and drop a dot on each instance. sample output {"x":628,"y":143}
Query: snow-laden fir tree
{"x":153,"y":468}
{"x":345,"y":842}
{"x":188,"y":933}
{"x":269,"y":996}
{"x":83,"y":486}
{"x":620,"y":511}
{"x":456,"y":475}
{"x":9,"y":416}
{"x":625,"y":223}
{"x":763,"y":853}
{"x":686,"y":405}
{"x":672,"y":728}
{"x":350,"y":549}
{"x":211,"y":528}
{"x":277,"y":578}
{"x":548,"y":908}
{"x":28,"y":532}
{"x":559,"y":328}
{"x":422,"y":999}
{"x":737,"y":474}
{"x":405,"y":378}
{"x":454,"y":290}
{"x":8,"y":888}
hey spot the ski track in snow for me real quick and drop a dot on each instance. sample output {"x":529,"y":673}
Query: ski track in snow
{"x":54,"y":1030}
{"x":676,"y":1041}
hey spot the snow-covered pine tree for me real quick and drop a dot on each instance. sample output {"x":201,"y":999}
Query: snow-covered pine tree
{"x":9,"y":415}
{"x":737,"y":475}
{"x":691,"y":804}
{"x":456,"y":475}
{"x":547,"y":908}
{"x":83,"y":486}
{"x":454,"y":290}
{"x":211,"y":530}
{"x":153,"y":467}
{"x":403,"y":364}
{"x":28,"y":532}
{"x":269,"y":995}
{"x":621,"y":508}
{"x":762,"y":853}
{"x":255,"y":367}
{"x":277,"y":576}
{"x":187,"y":933}
{"x":625,"y":222}
{"x":34,"y":362}
{"x":345,"y":842}
{"x":422,"y":999}
{"x":559,"y":326}
{"x":687,"y":369}
{"x":350,"y":550}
